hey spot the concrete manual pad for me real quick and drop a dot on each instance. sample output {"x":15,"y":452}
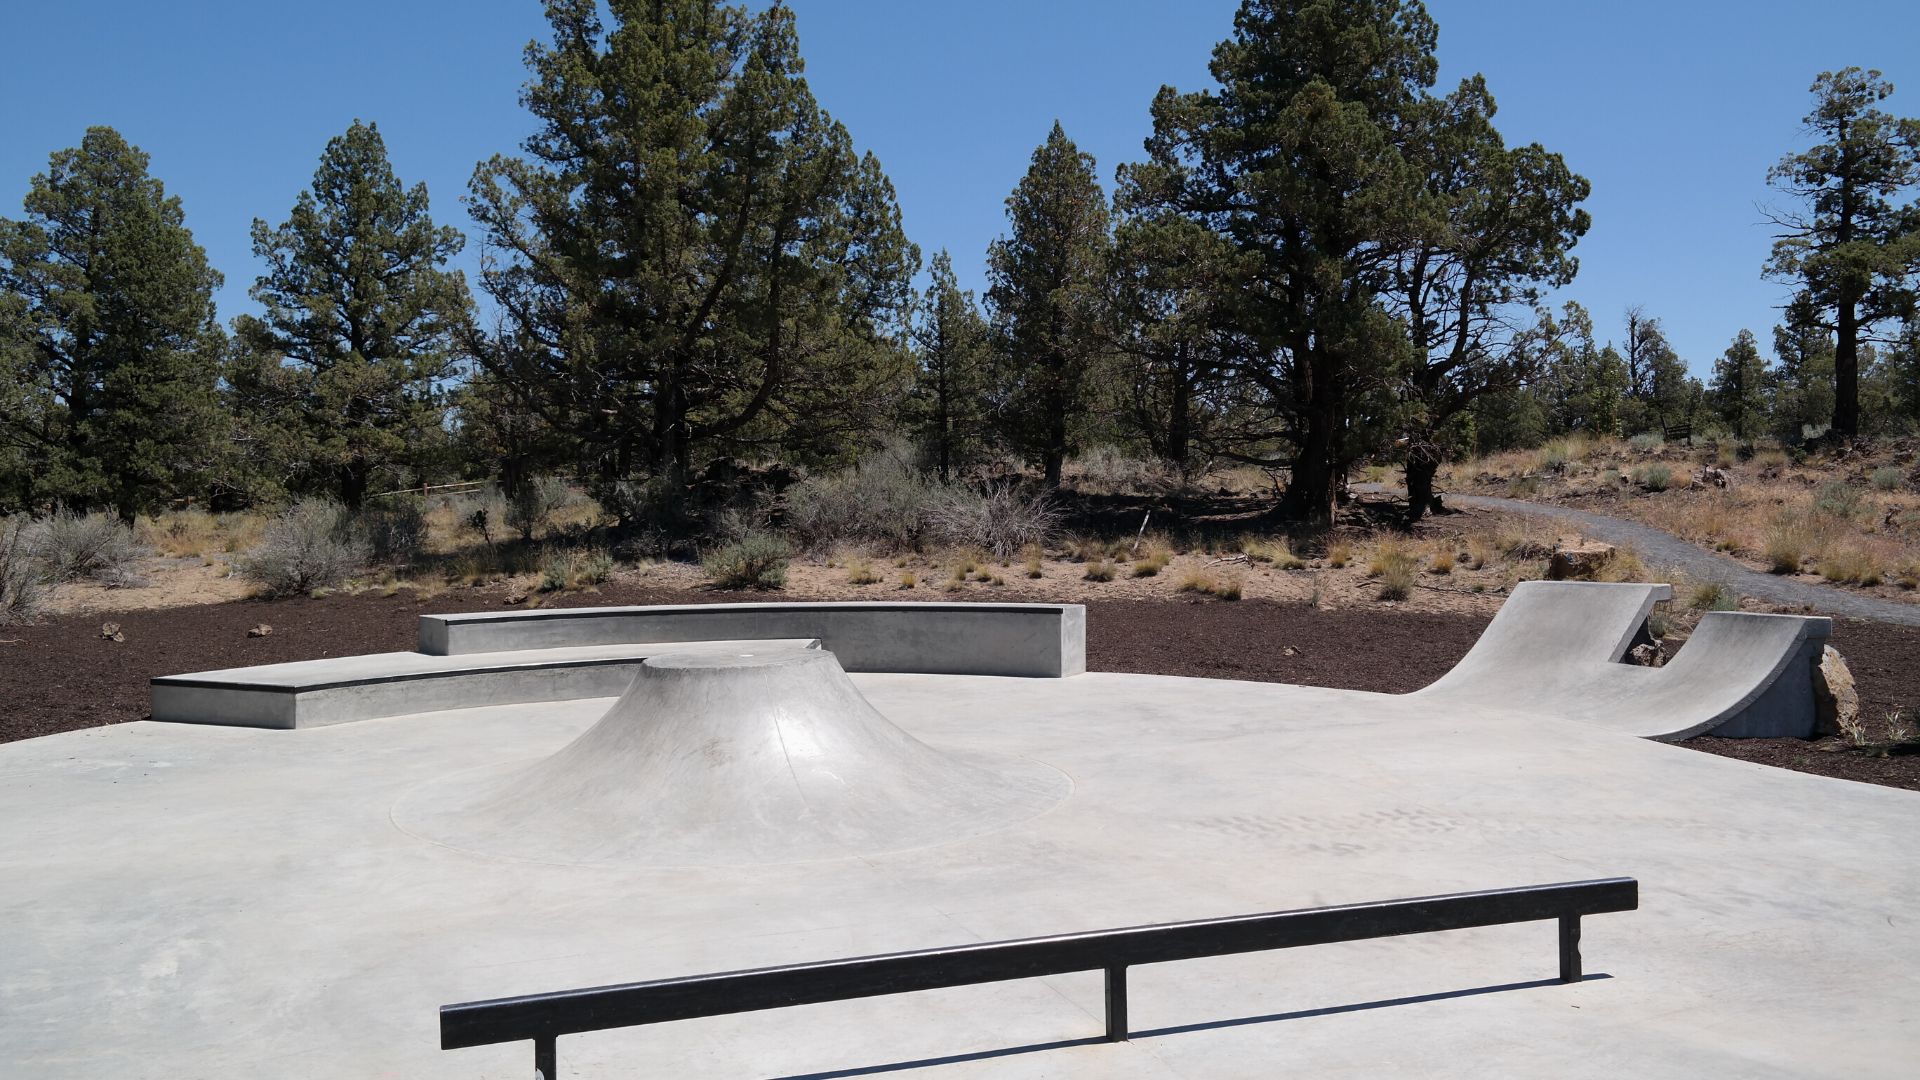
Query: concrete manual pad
{"x":189,"y":901}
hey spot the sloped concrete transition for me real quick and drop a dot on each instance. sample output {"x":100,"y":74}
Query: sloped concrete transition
{"x":214,"y":899}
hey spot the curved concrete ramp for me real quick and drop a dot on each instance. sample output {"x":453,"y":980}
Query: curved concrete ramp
{"x":1554,"y":649}
{"x":711,"y":760}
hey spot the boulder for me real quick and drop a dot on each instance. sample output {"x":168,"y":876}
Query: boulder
{"x":1648,"y":655}
{"x":1577,"y":561}
{"x":1835,"y":701}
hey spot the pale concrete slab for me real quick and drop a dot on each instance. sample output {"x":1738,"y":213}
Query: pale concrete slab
{"x":182,"y":901}
{"x":338,"y":690}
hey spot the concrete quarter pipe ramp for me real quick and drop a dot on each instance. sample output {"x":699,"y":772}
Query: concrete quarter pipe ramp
{"x":715,"y":760}
{"x":1555,"y":649}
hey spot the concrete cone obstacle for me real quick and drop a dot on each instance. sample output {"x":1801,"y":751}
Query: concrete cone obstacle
{"x":732,"y":760}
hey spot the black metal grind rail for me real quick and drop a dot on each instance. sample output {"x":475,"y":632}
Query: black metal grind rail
{"x":543,"y":1018}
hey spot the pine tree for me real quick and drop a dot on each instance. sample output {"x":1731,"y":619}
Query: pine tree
{"x":1170,"y":292}
{"x":109,"y":346}
{"x":691,"y":253}
{"x":1496,"y":226}
{"x":1851,"y":249}
{"x":1046,"y":287}
{"x":361,"y":306}
{"x":950,"y":340}
{"x":1298,"y":161}
{"x":1739,"y":386}
{"x":1802,"y":381}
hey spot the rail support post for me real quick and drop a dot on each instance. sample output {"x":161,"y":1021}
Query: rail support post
{"x":1569,"y":948}
{"x":546,"y":1055}
{"x":1117,"y":1004}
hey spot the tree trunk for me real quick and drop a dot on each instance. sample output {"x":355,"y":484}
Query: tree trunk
{"x":1315,"y":483}
{"x":1422,"y":467}
{"x":1846,"y":369}
{"x":1179,"y":419}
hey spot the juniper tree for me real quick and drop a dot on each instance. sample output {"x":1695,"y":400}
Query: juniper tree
{"x":1739,"y":385}
{"x":360,"y":304}
{"x":690,"y":253}
{"x":109,"y":348}
{"x":953,"y":352}
{"x":1852,"y":247}
{"x":1046,"y":296}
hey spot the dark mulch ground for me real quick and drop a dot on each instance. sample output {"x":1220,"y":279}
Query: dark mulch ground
{"x":61,"y":674}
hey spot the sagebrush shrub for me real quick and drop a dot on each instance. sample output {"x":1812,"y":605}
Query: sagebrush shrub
{"x":22,"y":592}
{"x":532,"y":507}
{"x":1887,"y":478}
{"x":1001,"y":520}
{"x":884,"y":502}
{"x":311,"y":545}
{"x":395,"y":530}
{"x":90,"y":547}
{"x":755,"y":561}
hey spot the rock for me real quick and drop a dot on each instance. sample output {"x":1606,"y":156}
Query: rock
{"x":111,"y":632}
{"x":1578,"y":561}
{"x":259,"y":631}
{"x":515,"y":598}
{"x":1835,"y":701}
{"x":1649,"y":655}
{"x":1715,"y":477}
{"x":1289,"y":651}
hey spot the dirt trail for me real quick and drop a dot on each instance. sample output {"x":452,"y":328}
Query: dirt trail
{"x":1661,"y":548}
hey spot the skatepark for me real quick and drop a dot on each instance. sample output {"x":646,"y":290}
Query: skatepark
{"x":292,"y":868}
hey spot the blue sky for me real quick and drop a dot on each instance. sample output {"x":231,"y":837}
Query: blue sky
{"x":1673,"y":109}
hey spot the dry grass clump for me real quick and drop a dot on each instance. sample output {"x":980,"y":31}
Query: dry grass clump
{"x":1623,"y":565}
{"x":860,"y":571}
{"x":1277,"y":550}
{"x":1034,"y":560}
{"x":1442,"y":562}
{"x":1101,"y":569}
{"x":908,"y":579}
{"x":1394,"y":567}
{"x":1712,"y":596}
{"x":1850,"y":564}
{"x":1207,"y":584}
{"x":1153,"y":559}
{"x":1791,"y":540}
{"x":1339,"y":554}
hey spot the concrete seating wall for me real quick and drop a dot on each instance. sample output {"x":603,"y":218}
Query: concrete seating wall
{"x":1032,"y":640}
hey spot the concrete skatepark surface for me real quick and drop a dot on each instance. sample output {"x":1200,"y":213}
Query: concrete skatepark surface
{"x":188,"y":900}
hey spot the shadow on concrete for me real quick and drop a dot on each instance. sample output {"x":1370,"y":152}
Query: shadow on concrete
{"x":1180,"y":1029}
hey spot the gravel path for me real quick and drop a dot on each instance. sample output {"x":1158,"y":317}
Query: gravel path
{"x":1662,"y":548}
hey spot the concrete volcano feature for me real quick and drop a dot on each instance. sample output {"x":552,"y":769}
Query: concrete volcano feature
{"x":717,"y":760}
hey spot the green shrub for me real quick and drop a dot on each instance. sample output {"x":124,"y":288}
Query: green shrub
{"x":1837,"y":500}
{"x":755,"y":561}
{"x":1887,"y":478}
{"x":1655,"y":477}
{"x":533,"y":506}
{"x":1713,"y":596}
{"x":1647,"y":442}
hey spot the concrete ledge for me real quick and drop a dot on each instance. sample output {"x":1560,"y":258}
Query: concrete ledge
{"x":1033,"y":640}
{"x":316,"y":693}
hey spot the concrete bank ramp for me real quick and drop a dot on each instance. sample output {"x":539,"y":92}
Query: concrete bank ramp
{"x":1555,"y":649}
{"x":713,"y":760}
